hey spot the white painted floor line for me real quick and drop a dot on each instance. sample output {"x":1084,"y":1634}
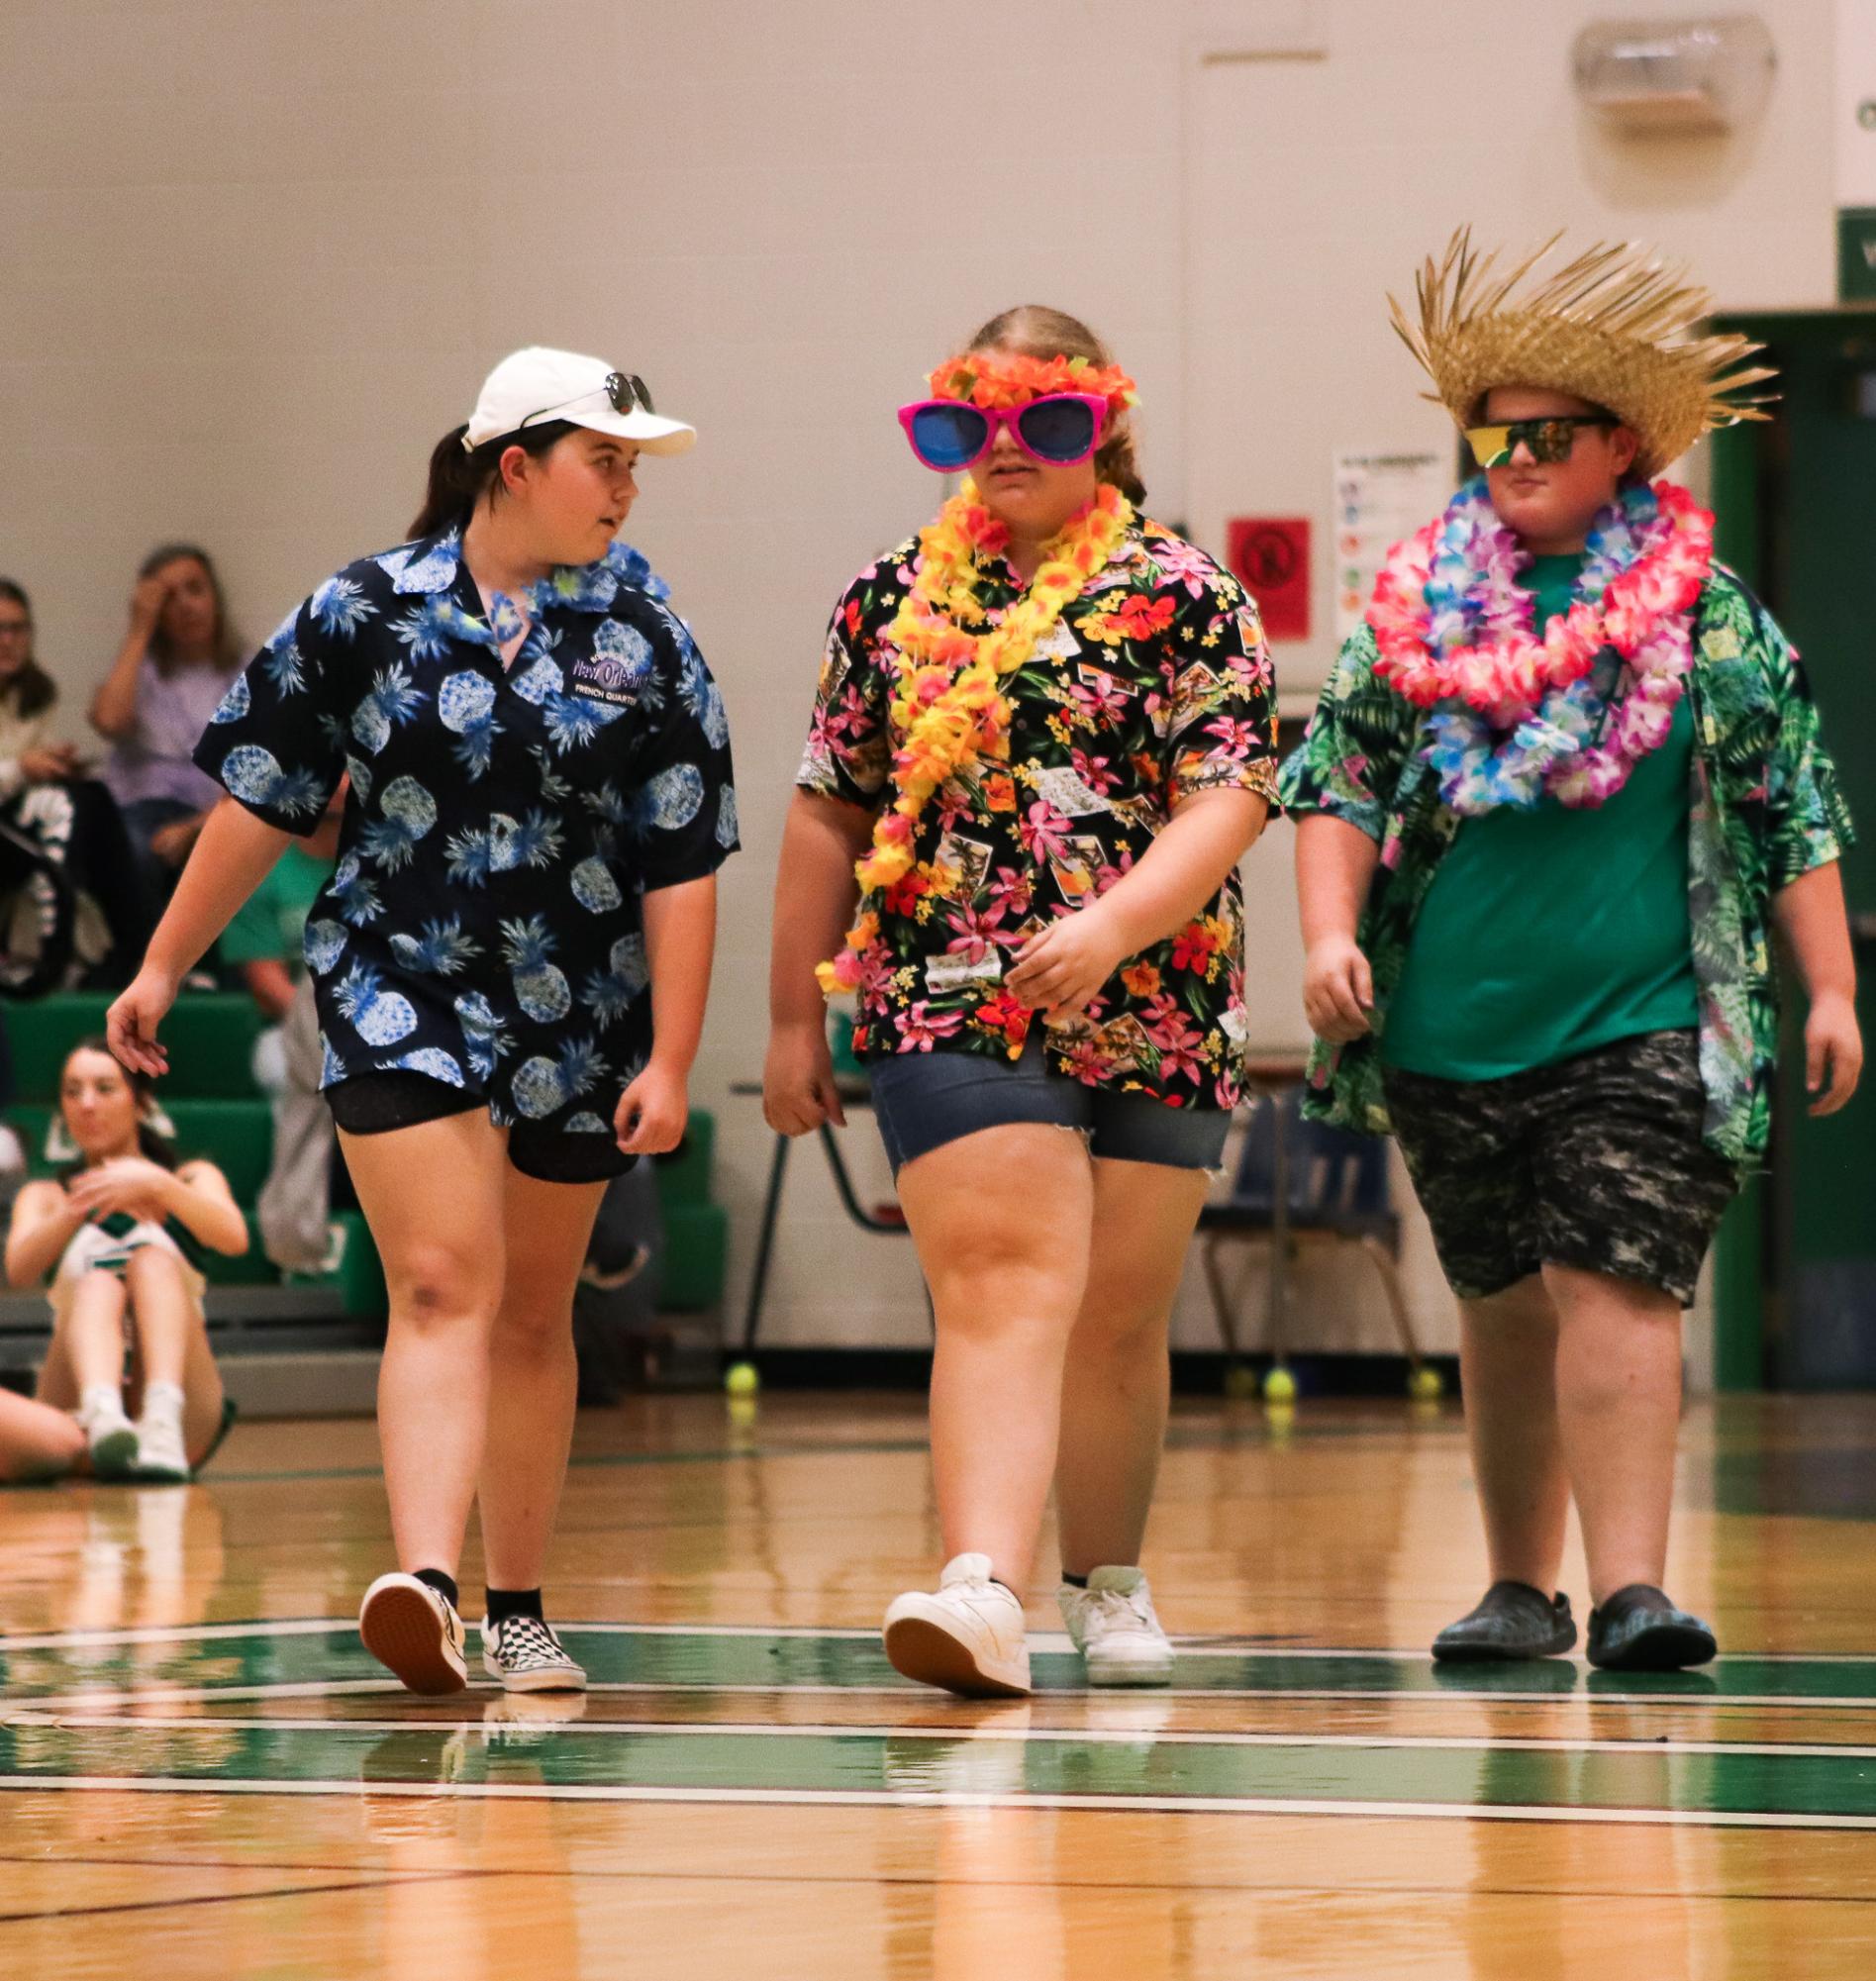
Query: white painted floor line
{"x":1170,"y":1805}
{"x":1044,"y":1640}
{"x":105,"y":1697}
{"x":1106,"y":1736}
{"x":178,"y":1633}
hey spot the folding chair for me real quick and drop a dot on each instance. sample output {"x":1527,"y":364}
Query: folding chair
{"x":1302,"y":1182}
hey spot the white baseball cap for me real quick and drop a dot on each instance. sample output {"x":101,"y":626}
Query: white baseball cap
{"x":537,"y":384}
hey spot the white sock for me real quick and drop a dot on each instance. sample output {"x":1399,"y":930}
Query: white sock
{"x":162,"y":1403}
{"x":100,"y":1400}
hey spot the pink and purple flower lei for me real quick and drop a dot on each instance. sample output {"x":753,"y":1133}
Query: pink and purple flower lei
{"x":1515,"y":716}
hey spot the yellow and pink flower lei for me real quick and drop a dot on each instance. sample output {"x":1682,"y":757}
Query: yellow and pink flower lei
{"x":1516,"y":715}
{"x":947,"y":703}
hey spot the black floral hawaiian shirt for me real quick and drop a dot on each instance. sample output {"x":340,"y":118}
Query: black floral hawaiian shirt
{"x":484,"y":923}
{"x":1154,"y":684}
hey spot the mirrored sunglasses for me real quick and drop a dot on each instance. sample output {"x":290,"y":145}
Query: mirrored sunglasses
{"x":1548,"y":440}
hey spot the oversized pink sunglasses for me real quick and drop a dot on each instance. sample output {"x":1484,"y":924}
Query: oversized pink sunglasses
{"x":1059,"y":430}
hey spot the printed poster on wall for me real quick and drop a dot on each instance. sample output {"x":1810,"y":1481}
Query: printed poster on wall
{"x":1380,"y":498}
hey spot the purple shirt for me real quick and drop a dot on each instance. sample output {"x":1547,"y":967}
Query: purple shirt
{"x":155,"y":760}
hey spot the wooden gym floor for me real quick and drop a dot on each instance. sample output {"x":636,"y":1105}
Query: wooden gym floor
{"x":204,"y":1777}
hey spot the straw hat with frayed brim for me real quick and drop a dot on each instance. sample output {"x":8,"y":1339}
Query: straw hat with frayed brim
{"x":1611,"y":326}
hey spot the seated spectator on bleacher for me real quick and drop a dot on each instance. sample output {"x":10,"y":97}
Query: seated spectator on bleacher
{"x":178,"y":656}
{"x":265,"y":943}
{"x":117,"y":1230}
{"x":52,"y":811}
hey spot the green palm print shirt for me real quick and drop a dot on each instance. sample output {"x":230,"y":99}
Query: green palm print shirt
{"x":1764,"y":808}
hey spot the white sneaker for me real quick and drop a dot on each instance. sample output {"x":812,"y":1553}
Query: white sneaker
{"x":1113,"y":1626}
{"x":110,"y":1435}
{"x":407,"y":1627}
{"x":969,"y":1637}
{"x":527,"y":1656}
{"x":163,"y":1459}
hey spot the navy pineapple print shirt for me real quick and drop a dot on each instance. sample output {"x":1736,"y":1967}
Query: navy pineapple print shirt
{"x":484,"y":923}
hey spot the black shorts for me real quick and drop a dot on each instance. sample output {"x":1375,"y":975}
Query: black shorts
{"x":1596,"y":1162}
{"x":377,"y":1103}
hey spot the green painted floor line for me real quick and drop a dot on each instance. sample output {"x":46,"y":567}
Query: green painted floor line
{"x":600,"y":1460}
{"x":770,"y":1661}
{"x":491,"y":1722}
{"x":909,"y":1799}
{"x":875,"y":1761}
{"x":289,"y":1626}
{"x":1191,"y":1440}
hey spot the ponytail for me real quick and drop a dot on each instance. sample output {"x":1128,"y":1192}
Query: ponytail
{"x":460,"y":476}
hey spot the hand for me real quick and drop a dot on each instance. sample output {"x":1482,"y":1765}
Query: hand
{"x":130,"y":1026}
{"x":652,"y":1112}
{"x":48,"y":766}
{"x":1062,"y":970}
{"x":148,"y":600}
{"x":1337,"y":990}
{"x":172,"y":844}
{"x":128,"y":1183}
{"x":798,"y":1090}
{"x":1833,"y":1051}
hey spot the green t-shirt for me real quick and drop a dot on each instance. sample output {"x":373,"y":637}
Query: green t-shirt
{"x":1552,"y":931}
{"x":270,"y":925}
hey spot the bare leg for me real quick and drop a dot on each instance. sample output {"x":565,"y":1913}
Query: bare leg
{"x":532,"y":1376}
{"x":1619,"y":1411}
{"x":1508,"y":1361}
{"x":433,"y":1196}
{"x":1001,"y":1221}
{"x":88,"y":1345}
{"x":1118,"y":1377}
{"x":162,"y":1314}
{"x":36,"y":1440}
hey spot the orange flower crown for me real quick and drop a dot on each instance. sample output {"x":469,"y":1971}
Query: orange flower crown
{"x":991,"y":379}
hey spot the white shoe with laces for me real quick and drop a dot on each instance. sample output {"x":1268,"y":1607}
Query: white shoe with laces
{"x":109,"y":1433}
{"x":413,"y":1630}
{"x":1114,"y":1627}
{"x":968,"y":1639}
{"x":527,"y":1656}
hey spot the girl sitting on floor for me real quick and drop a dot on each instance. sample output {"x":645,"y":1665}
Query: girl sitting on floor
{"x":116,"y":1232}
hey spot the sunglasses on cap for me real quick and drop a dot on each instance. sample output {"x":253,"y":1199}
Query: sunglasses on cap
{"x":622,"y":389}
{"x":1059,"y":430}
{"x":1549,"y":439}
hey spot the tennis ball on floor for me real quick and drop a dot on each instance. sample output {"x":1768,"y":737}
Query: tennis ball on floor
{"x":741,"y":1379}
{"x":1279,"y":1386}
{"x":1426,"y":1385}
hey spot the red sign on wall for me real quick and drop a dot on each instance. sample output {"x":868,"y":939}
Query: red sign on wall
{"x":1270,"y":557}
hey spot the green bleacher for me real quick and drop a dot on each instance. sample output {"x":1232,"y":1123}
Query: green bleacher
{"x":210,"y":1098}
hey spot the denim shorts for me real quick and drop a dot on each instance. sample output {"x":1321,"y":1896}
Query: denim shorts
{"x":926,"y":1099}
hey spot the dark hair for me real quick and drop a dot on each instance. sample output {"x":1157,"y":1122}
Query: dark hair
{"x":157,"y":1147}
{"x":226,"y":648}
{"x":32,"y":691}
{"x":1037,"y":330}
{"x":460,"y":476}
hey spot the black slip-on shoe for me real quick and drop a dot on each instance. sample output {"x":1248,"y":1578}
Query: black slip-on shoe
{"x":1639,"y":1630}
{"x":1514,"y":1620}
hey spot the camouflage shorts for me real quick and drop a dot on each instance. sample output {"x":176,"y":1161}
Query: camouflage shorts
{"x":1595,"y":1162}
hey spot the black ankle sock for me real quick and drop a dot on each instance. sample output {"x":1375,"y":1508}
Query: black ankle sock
{"x":506,"y":1603}
{"x":445,"y":1585}
{"x":1074,"y":1581}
